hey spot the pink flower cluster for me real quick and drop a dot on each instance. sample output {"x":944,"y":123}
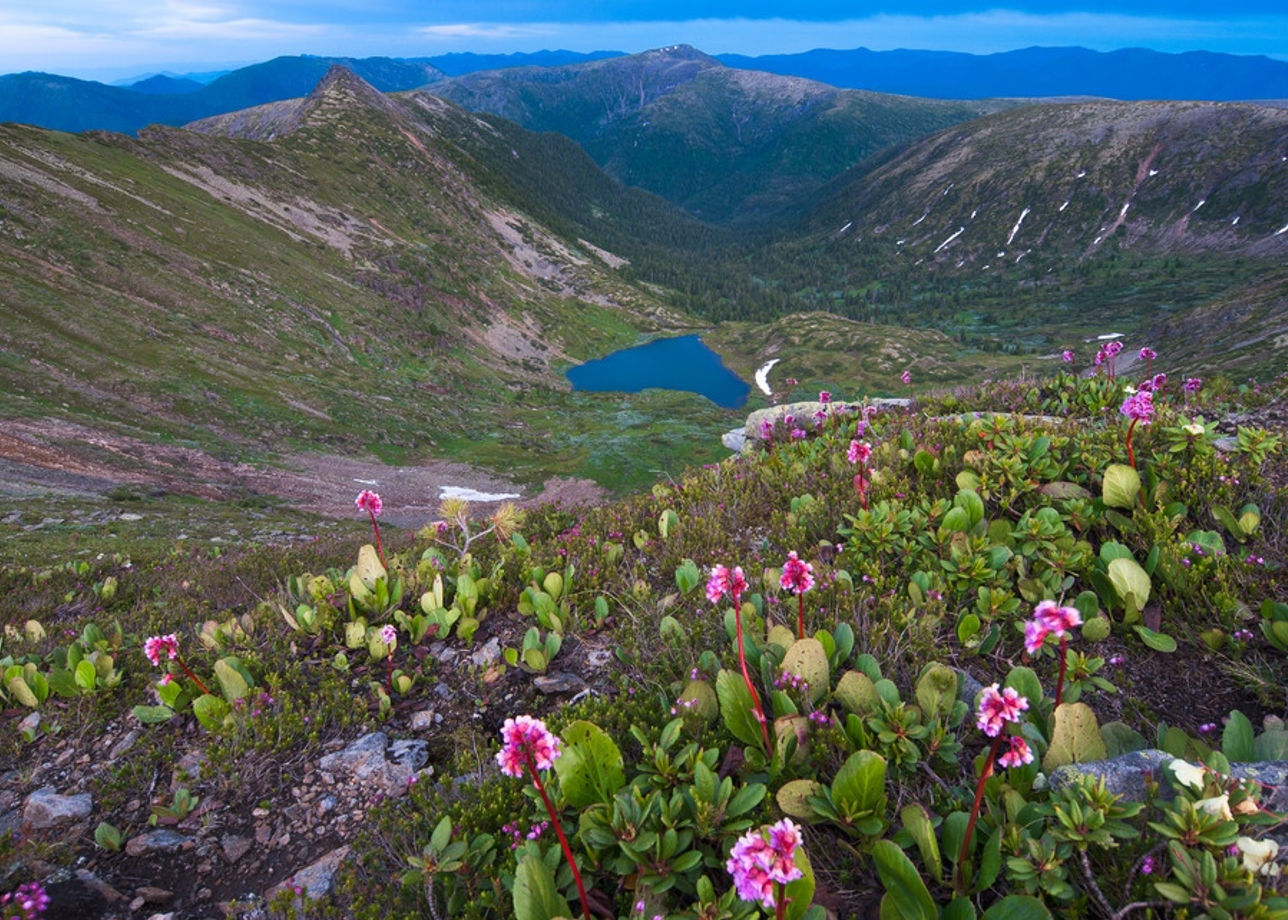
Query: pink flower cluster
{"x":524,"y":737}
{"x":1018,"y":754}
{"x":997,"y":708}
{"x":368,"y":501}
{"x":389,"y":635}
{"x":1193,"y":384}
{"x":798,"y":575}
{"x":906,"y":377}
{"x":156,"y":646}
{"x":824,"y":396}
{"x":724,"y":581}
{"x":1067,"y":356}
{"x":859,"y":452}
{"x":1049,"y":619}
{"x":758,"y":861}
{"x":1153,"y":384}
{"x":1139,"y":407}
{"x":29,"y":900}
{"x":1148,"y":354}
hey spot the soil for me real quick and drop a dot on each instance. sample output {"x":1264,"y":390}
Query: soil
{"x":47,"y":455}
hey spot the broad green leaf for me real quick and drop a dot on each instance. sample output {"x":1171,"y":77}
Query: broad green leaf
{"x":1159,"y":642}
{"x":1075,"y":737}
{"x":1130,"y":582}
{"x":210,"y":711}
{"x":152,"y":715}
{"x":1017,"y":907}
{"x":591,"y":768}
{"x":535,"y":894}
{"x":1237,"y":739}
{"x":907,"y":897}
{"x":233,"y":679}
{"x":1121,"y":486}
{"x":916,"y":821}
{"x":737,"y":709}
{"x":859,"y":785}
{"x":800,"y":893}
{"x":86,"y":676}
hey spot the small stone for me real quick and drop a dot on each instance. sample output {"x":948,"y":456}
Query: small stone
{"x":163,"y":841}
{"x":263,"y":834}
{"x":489,"y":653}
{"x":326,"y":804}
{"x":123,"y":745}
{"x":129,"y":516}
{"x":443,"y":690}
{"x":422,"y":720}
{"x":558,"y":682}
{"x":45,"y":808}
{"x":154,"y":895}
{"x":96,"y":884}
{"x":235,"y":846}
{"x":599,"y":658}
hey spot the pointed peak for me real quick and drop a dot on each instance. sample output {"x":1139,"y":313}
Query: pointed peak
{"x":340,"y":83}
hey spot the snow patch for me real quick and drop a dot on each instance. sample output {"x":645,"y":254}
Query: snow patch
{"x":920,"y":219}
{"x":960,"y":231}
{"x":1235,"y":222}
{"x":473,"y":495}
{"x":1107,"y":336}
{"x":1283,"y":229}
{"x":367,"y":482}
{"x":950,"y":187}
{"x":1153,"y":172}
{"x":1202,"y":201}
{"x":973,"y":213}
{"x":762,"y":376}
{"x":1123,"y":212}
{"x":846,"y":227}
{"x":1081,"y":175}
{"x":1063,"y":206}
{"x":1016,"y":228}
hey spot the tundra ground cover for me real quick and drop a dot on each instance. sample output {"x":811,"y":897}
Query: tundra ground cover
{"x":876,"y":737}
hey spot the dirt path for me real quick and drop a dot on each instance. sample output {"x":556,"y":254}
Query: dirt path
{"x":48,"y":455}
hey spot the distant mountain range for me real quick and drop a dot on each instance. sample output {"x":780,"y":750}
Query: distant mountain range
{"x":67,"y":104}
{"x":1131,"y":73}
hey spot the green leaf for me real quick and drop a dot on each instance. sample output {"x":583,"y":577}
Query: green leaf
{"x":1024,"y":680}
{"x":1237,"y":739}
{"x":962,"y":908}
{"x":442,"y":835}
{"x":1017,"y":907}
{"x":916,"y":821}
{"x":970,"y":502}
{"x":233,"y":679}
{"x":591,"y":769}
{"x":152,"y":715}
{"x":1121,"y":486}
{"x":907,"y":897}
{"x":86,"y":675}
{"x":107,"y":837}
{"x":793,"y":798}
{"x":1159,"y":642}
{"x":859,"y":785}
{"x":736,"y":708}
{"x":535,"y":894}
{"x":210,"y":711}
{"x":1130,"y":582}
{"x":800,"y":893}
{"x":1075,"y":737}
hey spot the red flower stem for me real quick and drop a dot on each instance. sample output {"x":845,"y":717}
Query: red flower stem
{"x":742,"y":661}
{"x":389,"y":679}
{"x":1064,"y":663}
{"x":974,"y":811}
{"x":563,"y":841}
{"x":195,"y":679}
{"x":1131,"y":454}
{"x":380,"y":547}
{"x":800,"y":616}
{"x":780,"y":901}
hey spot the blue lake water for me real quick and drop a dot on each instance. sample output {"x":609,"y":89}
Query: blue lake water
{"x":682,"y":363}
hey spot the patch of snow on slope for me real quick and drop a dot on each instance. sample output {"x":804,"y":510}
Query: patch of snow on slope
{"x":960,"y":231}
{"x":762,"y":376}
{"x":1202,"y":201}
{"x":473,"y":495}
{"x":1063,"y":206}
{"x":1016,"y":228}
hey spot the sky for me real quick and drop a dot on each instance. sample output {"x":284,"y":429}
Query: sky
{"x":114,"y":39}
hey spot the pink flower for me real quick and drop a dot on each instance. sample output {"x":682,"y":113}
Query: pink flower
{"x":1056,"y":620}
{"x":368,"y":501}
{"x":1034,"y":635}
{"x":997,"y":708}
{"x":389,"y":635}
{"x":1158,"y":381}
{"x":1018,"y":755}
{"x":1193,"y":384}
{"x":1067,"y":357}
{"x":906,"y":377}
{"x":766,"y":430}
{"x":1139,"y":407}
{"x":524,"y":737}
{"x":757,"y":861}
{"x":859,"y":452}
{"x":798,"y":576}
{"x":798,"y":434}
{"x":824,"y":396}
{"x":1100,"y":356}
{"x":1112,"y":349}
{"x":1148,"y":354}
{"x":725,"y":581}
{"x":166,"y":678}
{"x":157,"y":645}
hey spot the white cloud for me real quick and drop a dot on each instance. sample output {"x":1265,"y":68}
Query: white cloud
{"x":488,"y":31}
{"x":177,"y":19}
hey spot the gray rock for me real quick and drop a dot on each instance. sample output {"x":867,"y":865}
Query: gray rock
{"x":162,"y":841}
{"x":366,"y":760}
{"x":558,"y":682}
{"x":1126,"y":775}
{"x":45,"y":808}
{"x":314,"y":881}
{"x":804,"y":415}
{"x":410,"y":753}
{"x":488,"y":654}
{"x":123,"y":745}
{"x":734,"y":440}
{"x":421,"y":721}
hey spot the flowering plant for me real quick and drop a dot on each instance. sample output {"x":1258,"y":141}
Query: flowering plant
{"x":724,"y":581}
{"x":763,"y":861}
{"x":797,"y":577}
{"x":370,"y":502}
{"x":1050,"y":619}
{"x":155,"y":647}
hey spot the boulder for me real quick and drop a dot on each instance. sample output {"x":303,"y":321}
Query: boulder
{"x":46,"y":809}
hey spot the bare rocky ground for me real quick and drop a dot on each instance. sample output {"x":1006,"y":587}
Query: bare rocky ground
{"x":47,"y":455}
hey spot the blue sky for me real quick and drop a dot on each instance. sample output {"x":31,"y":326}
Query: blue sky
{"x":107,"y":39}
